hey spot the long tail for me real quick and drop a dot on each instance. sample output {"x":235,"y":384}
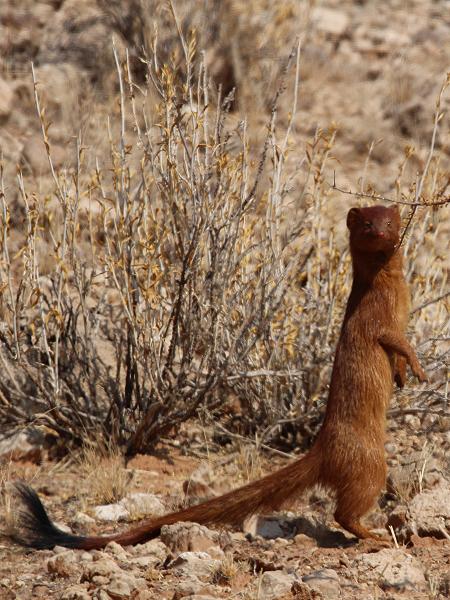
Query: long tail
{"x":270,"y":492}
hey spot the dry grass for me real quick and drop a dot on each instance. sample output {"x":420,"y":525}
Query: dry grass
{"x":104,"y":472}
{"x":228,"y":569}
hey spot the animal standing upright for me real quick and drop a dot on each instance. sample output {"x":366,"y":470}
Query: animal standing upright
{"x":348,"y":455}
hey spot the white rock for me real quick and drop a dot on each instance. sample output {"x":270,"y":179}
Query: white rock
{"x":143,"y":504}
{"x":325,"y":581}
{"x":391,"y":569}
{"x":111,"y":512}
{"x":275,"y":584}
{"x":153,"y":547}
{"x":82,"y":518}
{"x":269,"y":527}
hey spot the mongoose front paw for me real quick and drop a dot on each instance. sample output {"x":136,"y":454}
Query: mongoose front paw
{"x":420,"y":373}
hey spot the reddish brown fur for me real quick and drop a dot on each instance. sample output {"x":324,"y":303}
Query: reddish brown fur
{"x":348,"y":455}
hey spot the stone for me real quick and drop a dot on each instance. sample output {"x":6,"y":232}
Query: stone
{"x":76,"y":592}
{"x":143,"y":504}
{"x":63,"y":564}
{"x":154,"y":548}
{"x":274,"y":584}
{"x":199,"y":564}
{"x":391,"y":569}
{"x":191,"y":537}
{"x":111,"y":512}
{"x":116,"y":550}
{"x":188,"y":587}
{"x":427,"y":514}
{"x":104,"y":567}
{"x":82,"y":519}
{"x":325,"y":581}
{"x":122,"y":585}
{"x":269,"y":527}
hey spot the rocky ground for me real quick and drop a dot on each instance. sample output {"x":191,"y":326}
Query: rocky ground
{"x":296,"y":554}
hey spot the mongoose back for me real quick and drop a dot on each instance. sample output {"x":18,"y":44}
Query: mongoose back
{"x":348,"y":455}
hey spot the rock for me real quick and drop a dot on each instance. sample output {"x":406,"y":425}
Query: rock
{"x":143,"y":595}
{"x":139,"y":504}
{"x":183,"y":537}
{"x":274,"y":584}
{"x":76,"y":592}
{"x":153,"y":553}
{"x":188,"y":587}
{"x":199,"y":564}
{"x":105,"y":567}
{"x":111,"y":512}
{"x":86,"y":557}
{"x":122,"y":585}
{"x":391,"y":569}
{"x":23,"y":445}
{"x":6,"y":100}
{"x":133,"y":505}
{"x":116,"y":550}
{"x":325,"y":581}
{"x":331,"y":22}
{"x":270,"y":527}
{"x":153,"y":547}
{"x":428,"y":514}
{"x":82,"y":519}
{"x":63,"y":564}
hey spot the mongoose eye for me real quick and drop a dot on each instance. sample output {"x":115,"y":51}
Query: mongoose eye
{"x":389,"y":223}
{"x":367,"y":226}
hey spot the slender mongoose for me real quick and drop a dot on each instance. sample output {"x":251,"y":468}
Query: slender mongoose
{"x":348,"y":455}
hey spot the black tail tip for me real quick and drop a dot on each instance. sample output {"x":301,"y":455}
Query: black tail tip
{"x":33,"y":527}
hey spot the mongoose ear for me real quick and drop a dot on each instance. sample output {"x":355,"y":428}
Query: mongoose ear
{"x":352,"y":217}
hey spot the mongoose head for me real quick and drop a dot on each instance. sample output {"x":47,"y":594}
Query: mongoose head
{"x":374,"y":229}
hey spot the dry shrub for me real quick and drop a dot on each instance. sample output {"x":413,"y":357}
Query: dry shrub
{"x":186,"y":270}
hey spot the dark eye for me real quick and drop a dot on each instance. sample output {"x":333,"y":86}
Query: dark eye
{"x":367,"y":225}
{"x":389,"y":223}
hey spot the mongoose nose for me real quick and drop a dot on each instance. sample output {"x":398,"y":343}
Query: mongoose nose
{"x":381,"y":234}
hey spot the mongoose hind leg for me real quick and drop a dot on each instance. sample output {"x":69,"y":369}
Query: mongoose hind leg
{"x":355,"y":500}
